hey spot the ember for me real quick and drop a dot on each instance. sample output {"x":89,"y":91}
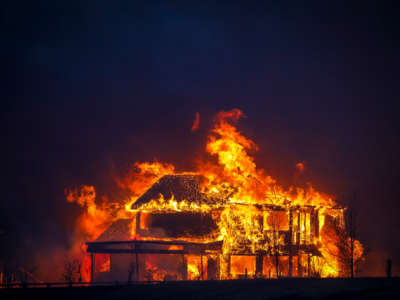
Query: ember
{"x":228,"y":219}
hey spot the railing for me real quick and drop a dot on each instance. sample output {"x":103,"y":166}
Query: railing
{"x":74,"y":284}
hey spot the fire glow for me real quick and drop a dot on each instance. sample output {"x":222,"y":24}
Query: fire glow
{"x":255,"y":227}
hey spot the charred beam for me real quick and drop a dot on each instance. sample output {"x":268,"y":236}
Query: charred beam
{"x":201,"y":265}
{"x":137,"y":266}
{"x":92,"y":266}
{"x":259,"y":265}
{"x":290,"y":244}
{"x":141,"y":251}
{"x":299,"y":266}
{"x":184,"y":268}
{"x":159,"y":242}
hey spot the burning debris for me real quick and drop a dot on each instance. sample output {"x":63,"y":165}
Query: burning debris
{"x":227,"y":219}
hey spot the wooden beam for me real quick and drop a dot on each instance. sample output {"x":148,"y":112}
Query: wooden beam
{"x":135,"y":247}
{"x":298,"y":228}
{"x":229,"y":266}
{"x":201,"y":266}
{"x":299,"y":266}
{"x":184,"y":267}
{"x":290,"y":243}
{"x":259,"y":265}
{"x":305,"y":226}
{"x":92,"y":266}
{"x":137,"y":265}
{"x":142,"y":251}
{"x":157,"y":242}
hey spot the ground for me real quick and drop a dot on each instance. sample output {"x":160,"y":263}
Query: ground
{"x":362,"y":288}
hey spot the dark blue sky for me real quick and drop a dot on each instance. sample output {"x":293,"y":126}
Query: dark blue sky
{"x":91,"y":87}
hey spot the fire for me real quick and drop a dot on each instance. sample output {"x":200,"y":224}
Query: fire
{"x":194,"y":267}
{"x":252,"y":212}
{"x":196,"y":122}
{"x":153,"y":273}
{"x":96,"y":218}
{"x":300,"y":167}
{"x":171,"y":204}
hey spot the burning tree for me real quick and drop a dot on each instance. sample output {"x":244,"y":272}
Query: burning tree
{"x":342,"y":245}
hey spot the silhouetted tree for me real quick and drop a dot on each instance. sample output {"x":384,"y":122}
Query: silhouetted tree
{"x":131,"y":271}
{"x":71,"y":270}
{"x":389,"y":268}
{"x":344,"y":246}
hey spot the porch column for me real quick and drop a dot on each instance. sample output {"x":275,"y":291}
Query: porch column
{"x":259,"y":265}
{"x":92,"y":266}
{"x":184,"y":268}
{"x":201,"y":266}
{"x":290,"y":238}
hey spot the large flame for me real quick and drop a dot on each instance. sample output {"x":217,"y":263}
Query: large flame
{"x":230,"y":174}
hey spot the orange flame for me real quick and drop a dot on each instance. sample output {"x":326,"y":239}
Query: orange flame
{"x":196,"y":122}
{"x":300,"y":167}
{"x":230,"y":174}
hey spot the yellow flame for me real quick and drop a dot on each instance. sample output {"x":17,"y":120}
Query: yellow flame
{"x":245,"y":218}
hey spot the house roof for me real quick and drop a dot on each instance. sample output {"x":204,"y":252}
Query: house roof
{"x":120,"y":230}
{"x":182,"y":187}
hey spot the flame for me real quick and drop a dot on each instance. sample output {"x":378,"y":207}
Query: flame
{"x":252,"y":210}
{"x":165,"y":205}
{"x":96,"y":217}
{"x":194,"y":267}
{"x":300,"y":167}
{"x":153,"y":273}
{"x":196,"y":122}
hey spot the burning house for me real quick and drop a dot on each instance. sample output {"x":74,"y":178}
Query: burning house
{"x":193,"y":236}
{"x":226,"y":220}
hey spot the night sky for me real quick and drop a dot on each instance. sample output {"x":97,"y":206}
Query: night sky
{"x":91,"y":87}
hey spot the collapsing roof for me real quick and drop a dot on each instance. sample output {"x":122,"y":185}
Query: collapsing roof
{"x":181,"y":187}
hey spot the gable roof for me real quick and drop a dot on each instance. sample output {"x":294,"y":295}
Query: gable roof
{"x":182,"y":187}
{"x":120,"y":230}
